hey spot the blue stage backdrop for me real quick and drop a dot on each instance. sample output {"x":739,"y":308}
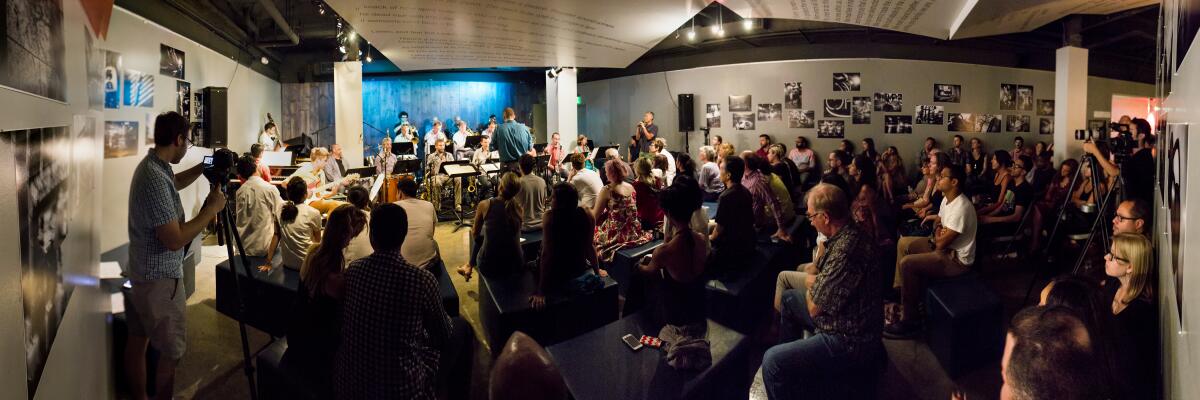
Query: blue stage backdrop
{"x":469,"y":96}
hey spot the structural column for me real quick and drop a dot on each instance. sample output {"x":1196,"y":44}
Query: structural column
{"x":1070,"y":100}
{"x":348,"y":111}
{"x":562,"y":112}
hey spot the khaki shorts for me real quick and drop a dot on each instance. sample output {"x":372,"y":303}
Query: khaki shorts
{"x":157,"y":313}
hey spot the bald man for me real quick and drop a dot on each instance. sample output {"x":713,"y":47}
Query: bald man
{"x":524,"y":370}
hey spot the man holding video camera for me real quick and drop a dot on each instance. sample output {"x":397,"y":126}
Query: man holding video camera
{"x":1132,"y":160}
{"x":158,"y":236}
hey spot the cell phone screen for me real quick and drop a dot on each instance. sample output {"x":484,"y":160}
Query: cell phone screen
{"x":632,"y":342}
{"x":208,"y":160}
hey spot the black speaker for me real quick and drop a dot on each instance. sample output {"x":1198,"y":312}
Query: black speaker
{"x":687,"y":121}
{"x":215,"y":118}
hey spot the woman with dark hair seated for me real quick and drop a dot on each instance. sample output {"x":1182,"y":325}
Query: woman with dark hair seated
{"x":867,"y":207}
{"x":1048,"y":207}
{"x":497,"y":233}
{"x":568,"y":257}
{"x":360,"y":246}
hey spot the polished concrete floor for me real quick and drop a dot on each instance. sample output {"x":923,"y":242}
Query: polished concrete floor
{"x":212,"y":367}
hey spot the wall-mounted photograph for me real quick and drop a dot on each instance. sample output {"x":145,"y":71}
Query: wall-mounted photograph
{"x":930,"y":115}
{"x":804,"y":119}
{"x":1098,"y":127}
{"x":170,"y":61}
{"x":740,"y":103}
{"x":961,"y":122}
{"x":183,"y":99}
{"x":113,"y":71}
{"x":120,"y":139}
{"x":139,"y":89}
{"x":1017,"y":123}
{"x":831,"y":129}
{"x":792,"y":94}
{"x":989,"y":123}
{"x":889,"y":102}
{"x":743,"y":121}
{"x":32,"y":49}
{"x":847,"y":81}
{"x":901,"y":124}
{"x":837,"y":108}
{"x":1045,"y":107}
{"x":946,"y":93}
{"x":770,"y":112}
{"x":712,"y":115}
{"x":1025,"y":98}
{"x":861,"y":110}
{"x":1046,"y":126}
{"x":1008,"y":96}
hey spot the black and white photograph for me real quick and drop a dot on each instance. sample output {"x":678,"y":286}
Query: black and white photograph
{"x":897,"y":124}
{"x":183,"y":99}
{"x":93,"y":58}
{"x":1046,"y":126}
{"x":743,"y":121}
{"x":804,"y":119}
{"x":1025,"y":98}
{"x":1008,"y":96}
{"x":847,"y":81}
{"x":792,"y":93}
{"x":837,"y":108}
{"x":930,"y":115}
{"x":120,"y":138}
{"x":861,"y":110}
{"x":889,"y":102}
{"x":112,"y":79}
{"x":138,"y":88}
{"x":1098,"y":127}
{"x":831,"y":129}
{"x":770,"y":112}
{"x":170,"y":61}
{"x":1017,"y":123}
{"x":740,"y":103}
{"x":712,"y":115}
{"x":946,"y":93}
{"x":960,"y":122}
{"x":1045,"y":107}
{"x":989,"y":123}
{"x":32,"y":48}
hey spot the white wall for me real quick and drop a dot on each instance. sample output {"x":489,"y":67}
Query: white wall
{"x":614,"y":105}
{"x":79,"y":363}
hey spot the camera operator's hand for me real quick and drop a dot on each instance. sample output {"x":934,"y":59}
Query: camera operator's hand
{"x":1090,"y":147}
{"x":215,"y":201}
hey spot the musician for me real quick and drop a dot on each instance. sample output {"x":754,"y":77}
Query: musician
{"x":436,"y":178}
{"x":460,"y":140}
{"x":435,"y":134}
{"x":396,"y":129}
{"x":555,"y":150}
{"x":269,"y":137}
{"x":491,"y":128}
{"x":313,"y":173}
{"x":512,"y":140}
{"x":405,"y":134}
{"x":646,"y":132}
{"x":335,"y":169}
{"x":385,"y":161}
{"x":480,"y":157}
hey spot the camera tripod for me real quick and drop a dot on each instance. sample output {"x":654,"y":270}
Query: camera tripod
{"x":227,"y":233}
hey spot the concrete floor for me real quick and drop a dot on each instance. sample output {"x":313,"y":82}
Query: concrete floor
{"x":212,"y":367}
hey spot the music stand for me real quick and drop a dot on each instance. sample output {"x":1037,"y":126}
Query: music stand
{"x":399,"y":148}
{"x":459,"y":170}
{"x":540,"y":162}
{"x":539,"y":148}
{"x":600,"y":151}
{"x":407,"y":166}
{"x":473,"y":141}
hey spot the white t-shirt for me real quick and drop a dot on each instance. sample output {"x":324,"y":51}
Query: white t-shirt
{"x":295,"y":237}
{"x":419,"y":248}
{"x":267,"y":141}
{"x":959,"y":216}
{"x":258,"y":203}
{"x":669,"y":174}
{"x":360,"y":246}
{"x":588,"y":184}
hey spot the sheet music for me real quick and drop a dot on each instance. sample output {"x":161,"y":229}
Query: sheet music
{"x":491,"y":168}
{"x":459,"y":170}
{"x":592,"y":155}
{"x":277,"y":158}
{"x":379,"y":179}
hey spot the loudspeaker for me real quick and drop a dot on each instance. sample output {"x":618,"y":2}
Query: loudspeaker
{"x":687,"y":121}
{"x":215,"y":118}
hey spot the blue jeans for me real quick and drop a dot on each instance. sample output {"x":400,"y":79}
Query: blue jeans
{"x":804,"y":367}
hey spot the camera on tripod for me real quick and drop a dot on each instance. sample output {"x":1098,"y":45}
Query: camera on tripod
{"x":219,"y":166}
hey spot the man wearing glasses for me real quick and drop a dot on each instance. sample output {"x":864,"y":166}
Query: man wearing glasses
{"x":1131,"y":217}
{"x":157,"y":237}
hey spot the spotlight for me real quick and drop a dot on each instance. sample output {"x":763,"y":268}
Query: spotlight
{"x":342,"y":49}
{"x":716,"y":28}
{"x":748,"y":24}
{"x":321,"y":10}
{"x":350,"y":35}
{"x":265,"y":60}
{"x":368,"y":59}
{"x":721,"y":32}
{"x":691,"y":35}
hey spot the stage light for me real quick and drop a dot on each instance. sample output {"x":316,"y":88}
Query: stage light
{"x":369,"y":58}
{"x":321,"y":10}
{"x":350,"y":35}
{"x":721,"y":32}
{"x":716,"y":29}
{"x":342,"y":49}
{"x":691,"y":35}
{"x":265,"y":60}
{"x":748,"y":24}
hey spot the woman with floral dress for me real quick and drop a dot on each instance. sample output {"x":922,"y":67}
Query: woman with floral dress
{"x":616,"y":207}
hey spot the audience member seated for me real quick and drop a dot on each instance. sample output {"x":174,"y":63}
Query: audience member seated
{"x":769,"y":214}
{"x":616,"y":208}
{"x":261,"y":168}
{"x":258,"y":204}
{"x":524,"y":370}
{"x":950,"y":252}
{"x":709,"y":176}
{"x":732,"y":238}
{"x":1001,"y":180}
{"x":979,"y":171}
{"x":724,"y":151}
{"x":893,"y":179}
{"x":867,"y":208}
{"x":586,"y":182}
{"x":1085,"y":190}
{"x":1019,"y":148}
{"x":764,"y":145}
{"x":567,"y":256}
{"x":839,"y":303}
{"x":778,"y":189}
{"x":393,"y":326}
{"x":929,"y":148}
{"x":783,"y":168}
{"x":658,"y":166}
{"x":1130,"y":289}
{"x":315,"y":333}
{"x":1043,"y":173}
{"x":928,"y":201}
{"x":804,"y":158}
{"x":679,"y":262}
{"x":1048,"y":355}
{"x":419,"y":247}
{"x":360,"y":245}
{"x":496,"y":230}
{"x":1084,"y":297}
{"x":299,"y":226}
{"x":659,"y":147}
{"x":685,"y":167}
{"x":532,"y":196}
{"x":1049,"y":204}
{"x":846,"y":146}
{"x":1131,"y":217}
{"x":646,"y":186}
{"x":838,"y":160}
{"x":956,"y":154}
{"x":868,"y":145}
{"x":1003,"y":220}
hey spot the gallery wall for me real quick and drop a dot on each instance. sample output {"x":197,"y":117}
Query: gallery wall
{"x":612,"y":107}
{"x":77,"y":363}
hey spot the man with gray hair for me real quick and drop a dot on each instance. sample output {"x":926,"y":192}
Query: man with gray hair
{"x":710,"y":174}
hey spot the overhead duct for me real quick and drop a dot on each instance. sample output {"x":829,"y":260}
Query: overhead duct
{"x":269,"y":6}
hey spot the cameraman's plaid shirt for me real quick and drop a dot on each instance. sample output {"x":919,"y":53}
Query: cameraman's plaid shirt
{"x":153,"y":202}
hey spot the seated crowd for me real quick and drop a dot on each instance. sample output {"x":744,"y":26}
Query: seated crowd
{"x":370,"y":312}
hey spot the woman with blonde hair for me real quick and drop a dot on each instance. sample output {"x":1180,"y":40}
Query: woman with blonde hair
{"x":496,"y":249}
{"x":1130,"y":267}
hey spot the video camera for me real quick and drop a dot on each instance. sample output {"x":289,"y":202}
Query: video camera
{"x":219,"y":166}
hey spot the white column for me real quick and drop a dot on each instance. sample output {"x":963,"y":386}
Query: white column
{"x":1070,"y":100}
{"x":348,"y":112}
{"x":562,"y":113}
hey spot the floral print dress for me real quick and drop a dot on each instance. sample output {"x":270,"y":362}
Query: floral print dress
{"x":621,"y":229}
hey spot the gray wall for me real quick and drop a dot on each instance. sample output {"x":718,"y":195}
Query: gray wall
{"x":614,"y":105}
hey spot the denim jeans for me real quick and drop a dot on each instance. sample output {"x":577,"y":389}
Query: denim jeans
{"x":803,"y":367}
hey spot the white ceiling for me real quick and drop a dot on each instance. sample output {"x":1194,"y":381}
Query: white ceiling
{"x":444,"y":34}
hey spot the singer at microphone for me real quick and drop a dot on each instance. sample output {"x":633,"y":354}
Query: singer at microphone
{"x":644,"y":133}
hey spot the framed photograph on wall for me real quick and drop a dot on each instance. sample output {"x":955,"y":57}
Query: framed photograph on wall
{"x":1046,"y":125}
{"x":831,"y":129}
{"x":847,"y":81}
{"x":803,"y":119}
{"x":739,"y":103}
{"x":139,"y":89}
{"x":743,"y":121}
{"x":930,"y":115}
{"x":946,"y":93}
{"x":792,"y":94}
{"x":183,"y":99}
{"x":712,"y":115}
{"x":1045,"y":107}
{"x":120,"y":139}
{"x":989,"y":123}
{"x":897,"y":124}
{"x":1025,"y":98}
{"x":889,"y":102}
{"x":170,"y":61}
{"x":860,"y":110}
{"x":1008,"y":97}
{"x":961,"y":122}
{"x":32,"y":48}
{"x":1017,"y":123}
{"x":837,"y":108}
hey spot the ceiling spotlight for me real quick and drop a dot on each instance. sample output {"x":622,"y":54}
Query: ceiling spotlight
{"x":320,"y":9}
{"x":716,"y":28}
{"x":691,"y":35}
{"x":350,"y":35}
{"x":721,"y":32}
{"x":265,"y":60}
{"x":368,"y":59}
{"x":748,"y":24}
{"x":342,"y":49}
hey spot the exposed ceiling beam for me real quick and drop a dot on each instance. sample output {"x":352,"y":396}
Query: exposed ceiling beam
{"x":1122,"y":36}
{"x":1119,"y":16}
{"x":269,"y":6}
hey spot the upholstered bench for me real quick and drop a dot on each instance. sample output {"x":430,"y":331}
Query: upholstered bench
{"x":736,"y":299}
{"x":504,"y":308}
{"x":626,"y":260}
{"x":965,"y":325}
{"x":598,"y":365}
